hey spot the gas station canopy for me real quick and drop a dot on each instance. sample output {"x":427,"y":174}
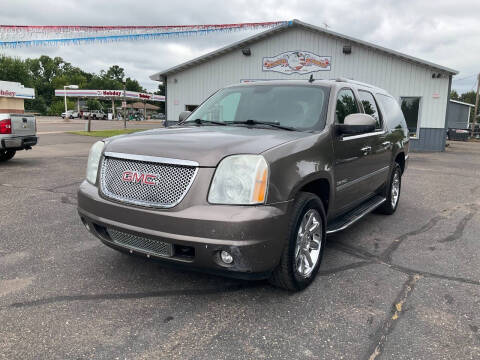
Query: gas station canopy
{"x":109,"y":94}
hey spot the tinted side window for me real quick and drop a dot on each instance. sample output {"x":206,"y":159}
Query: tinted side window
{"x":392,"y":113}
{"x":346,"y":105}
{"x":370,"y":107}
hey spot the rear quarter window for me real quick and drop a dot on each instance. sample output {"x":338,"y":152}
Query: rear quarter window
{"x":392,"y":113}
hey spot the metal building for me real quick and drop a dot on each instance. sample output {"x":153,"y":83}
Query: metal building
{"x":296,"y":50}
{"x":458,"y":115}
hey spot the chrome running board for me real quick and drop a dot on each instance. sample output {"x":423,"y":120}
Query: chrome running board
{"x":344,"y":221}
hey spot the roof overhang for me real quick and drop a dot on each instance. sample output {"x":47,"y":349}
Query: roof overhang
{"x":462,"y":103}
{"x":160,"y":76}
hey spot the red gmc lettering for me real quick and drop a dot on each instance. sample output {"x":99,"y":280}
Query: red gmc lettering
{"x":127,"y":176}
{"x":138,"y":178}
{"x":148,"y":179}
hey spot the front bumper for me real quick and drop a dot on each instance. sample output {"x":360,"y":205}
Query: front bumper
{"x":253,"y":235}
{"x":18,"y":143}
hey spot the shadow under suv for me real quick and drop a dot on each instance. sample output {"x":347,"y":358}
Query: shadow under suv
{"x":250,"y":183}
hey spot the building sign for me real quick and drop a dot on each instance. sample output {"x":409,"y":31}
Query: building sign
{"x":109,"y":92}
{"x":7,"y":93}
{"x":15,"y":90}
{"x":297,"y":62}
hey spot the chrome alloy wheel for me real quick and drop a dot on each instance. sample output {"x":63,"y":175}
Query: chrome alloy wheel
{"x":395,"y":189}
{"x":309,"y":243}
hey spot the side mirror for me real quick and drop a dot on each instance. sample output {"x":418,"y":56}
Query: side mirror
{"x":356,"y":124}
{"x":183,"y":115}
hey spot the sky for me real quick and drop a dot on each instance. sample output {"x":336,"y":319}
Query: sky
{"x":444,"y":32}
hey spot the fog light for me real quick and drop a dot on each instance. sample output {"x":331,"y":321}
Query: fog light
{"x":226,"y":257}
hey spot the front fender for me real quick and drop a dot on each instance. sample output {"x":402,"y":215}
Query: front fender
{"x":297,"y":163}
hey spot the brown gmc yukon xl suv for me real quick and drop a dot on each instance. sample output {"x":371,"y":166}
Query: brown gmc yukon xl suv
{"x":251,"y":183}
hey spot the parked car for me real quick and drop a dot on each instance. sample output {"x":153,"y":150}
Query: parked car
{"x":71,"y":114}
{"x":250,"y":183}
{"x":17,"y":132}
{"x":158,"y":116}
{"x":98,"y":114}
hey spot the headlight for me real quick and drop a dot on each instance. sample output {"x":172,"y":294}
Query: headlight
{"x":93,"y":161}
{"x":240,"y":180}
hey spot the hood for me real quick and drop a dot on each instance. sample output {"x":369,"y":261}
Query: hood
{"x":206,"y":145}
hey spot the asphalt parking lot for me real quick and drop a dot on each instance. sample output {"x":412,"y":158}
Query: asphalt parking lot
{"x":405,"y":286}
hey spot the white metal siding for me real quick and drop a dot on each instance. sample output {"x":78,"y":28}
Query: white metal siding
{"x":399,"y":77}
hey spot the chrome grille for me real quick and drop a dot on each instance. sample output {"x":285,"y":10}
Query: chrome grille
{"x":141,"y":243}
{"x":167,"y":186}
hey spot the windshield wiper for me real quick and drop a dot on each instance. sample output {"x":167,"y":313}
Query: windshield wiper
{"x":268,"y":123}
{"x":201,"y":122}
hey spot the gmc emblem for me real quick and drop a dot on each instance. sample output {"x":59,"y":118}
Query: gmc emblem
{"x":139,"y":178}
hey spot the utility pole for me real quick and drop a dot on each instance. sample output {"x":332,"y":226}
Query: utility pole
{"x":475,"y":112}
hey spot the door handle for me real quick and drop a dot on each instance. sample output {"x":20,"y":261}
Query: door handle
{"x":386,"y":144}
{"x":366,"y":150}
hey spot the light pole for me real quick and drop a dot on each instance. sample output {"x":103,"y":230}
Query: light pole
{"x":65,"y":96}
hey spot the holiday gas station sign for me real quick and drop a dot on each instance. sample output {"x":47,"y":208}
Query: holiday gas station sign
{"x":109,"y":94}
{"x":15,"y":90}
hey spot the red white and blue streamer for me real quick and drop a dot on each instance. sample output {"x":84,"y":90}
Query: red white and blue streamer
{"x":15,"y":36}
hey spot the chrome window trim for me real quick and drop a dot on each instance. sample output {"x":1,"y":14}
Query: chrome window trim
{"x":346,"y":138}
{"x":154,"y":159}
{"x":362,"y":178}
{"x":109,"y":196}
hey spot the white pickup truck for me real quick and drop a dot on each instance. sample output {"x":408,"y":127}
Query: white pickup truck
{"x":17,"y":132}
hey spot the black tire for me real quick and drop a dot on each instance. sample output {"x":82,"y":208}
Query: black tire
{"x":6,"y":155}
{"x":71,"y":116}
{"x":389,"y":207}
{"x":285,"y":274}
{"x":94,"y":117}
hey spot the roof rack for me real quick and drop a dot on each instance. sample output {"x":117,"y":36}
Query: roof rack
{"x":342,"y":79}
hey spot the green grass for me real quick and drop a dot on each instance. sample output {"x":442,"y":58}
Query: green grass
{"x":105,"y":133}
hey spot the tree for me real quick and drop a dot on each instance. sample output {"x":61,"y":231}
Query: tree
{"x":469,"y":97}
{"x":14,"y":69}
{"x":45,"y":74}
{"x":161,"y":91}
{"x":36,"y":105}
{"x":115,"y":73}
{"x":133,"y":85}
{"x":454,"y":95}
{"x":58,"y":107}
{"x":94,"y":104}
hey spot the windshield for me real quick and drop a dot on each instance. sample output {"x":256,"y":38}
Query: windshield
{"x":298,"y":107}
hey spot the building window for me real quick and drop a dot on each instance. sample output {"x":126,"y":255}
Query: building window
{"x":346,"y":105}
{"x":190,"y":107}
{"x":370,"y":107}
{"x":410,"y":108}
